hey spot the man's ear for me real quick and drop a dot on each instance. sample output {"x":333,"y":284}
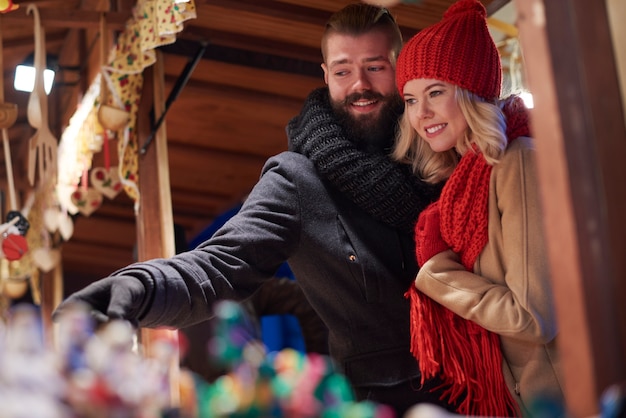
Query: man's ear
{"x":325,"y":68}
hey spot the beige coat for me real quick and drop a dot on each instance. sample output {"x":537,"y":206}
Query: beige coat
{"x":509,"y":292}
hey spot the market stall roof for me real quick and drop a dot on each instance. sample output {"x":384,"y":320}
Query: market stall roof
{"x":259,"y":59}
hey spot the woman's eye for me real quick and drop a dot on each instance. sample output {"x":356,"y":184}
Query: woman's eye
{"x":435,"y":93}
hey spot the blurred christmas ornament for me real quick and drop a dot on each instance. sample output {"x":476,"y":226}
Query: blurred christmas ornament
{"x":21,"y":223}
{"x":86,"y":200}
{"x":14,"y":289}
{"x":14,"y":246}
{"x":7,"y":6}
{"x":106,"y":181}
{"x":45,"y":258}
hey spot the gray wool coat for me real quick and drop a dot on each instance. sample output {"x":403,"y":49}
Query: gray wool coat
{"x":353,"y":269}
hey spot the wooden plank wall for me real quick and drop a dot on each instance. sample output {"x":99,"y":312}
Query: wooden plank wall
{"x":581,"y":141}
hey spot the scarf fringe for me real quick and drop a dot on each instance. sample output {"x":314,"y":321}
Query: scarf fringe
{"x":464,"y":355}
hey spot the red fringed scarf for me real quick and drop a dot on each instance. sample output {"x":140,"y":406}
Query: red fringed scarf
{"x":464,"y":355}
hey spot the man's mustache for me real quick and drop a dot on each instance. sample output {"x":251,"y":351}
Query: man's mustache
{"x":366,"y":95}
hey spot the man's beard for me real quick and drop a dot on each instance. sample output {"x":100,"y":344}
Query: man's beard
{"x":370,"y":132}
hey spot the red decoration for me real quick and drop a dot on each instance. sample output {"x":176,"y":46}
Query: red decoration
{"x":14,"y":246}
{"x":7,"y":6}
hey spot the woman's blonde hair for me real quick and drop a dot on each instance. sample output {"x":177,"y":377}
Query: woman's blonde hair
{"x":486,"y":130}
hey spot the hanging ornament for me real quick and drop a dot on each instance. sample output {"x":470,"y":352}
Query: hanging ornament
{"x":14,"y":246}
{"x":43,"y":146}
{"x":16,"y":222}
{"x":57,"y":219}
{"x":7,"y":6}
{"x":46,"y":258}
{"x":14,"y":289}
{"x":110,"y":117}
{"x":106,"y":179}
{"x":86,"y":199}
{"x":19,"y":221}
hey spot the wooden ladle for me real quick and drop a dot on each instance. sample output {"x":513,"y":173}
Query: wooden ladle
{"x":110,"y":117}
{"x":8,"y":116}
{"x":8,"y":112}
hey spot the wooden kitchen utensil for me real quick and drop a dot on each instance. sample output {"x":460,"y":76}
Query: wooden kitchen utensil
{"x":43,"y":145}
{"x":110,"y":117}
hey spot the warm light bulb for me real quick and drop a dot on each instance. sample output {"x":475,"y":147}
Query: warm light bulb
{"x":25,"y":78}
{"x":527,"y":97}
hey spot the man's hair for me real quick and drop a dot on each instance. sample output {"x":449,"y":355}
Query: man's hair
{"x":360,"y":18}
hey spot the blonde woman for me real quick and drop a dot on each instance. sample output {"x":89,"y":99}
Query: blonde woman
{"x":482,"y":312}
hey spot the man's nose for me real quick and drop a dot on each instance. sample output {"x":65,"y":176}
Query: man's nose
{"x":362,"y":81}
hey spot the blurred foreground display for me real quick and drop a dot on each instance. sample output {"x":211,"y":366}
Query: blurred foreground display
{"x":99,"y":370}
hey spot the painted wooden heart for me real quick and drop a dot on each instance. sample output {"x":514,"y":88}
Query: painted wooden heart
{"x":55,"y":218}
{"x":51,"y":219}
{"x":86,"y":200}
{"x":66,"y":225}
{"x":46,"y":258}
{"x":106,"y":181}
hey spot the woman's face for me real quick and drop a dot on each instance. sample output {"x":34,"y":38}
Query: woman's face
{"x":434,"y":113}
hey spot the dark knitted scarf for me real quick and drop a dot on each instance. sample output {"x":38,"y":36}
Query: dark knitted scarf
{"x":466,"y":356}
{"x":384,"y":189}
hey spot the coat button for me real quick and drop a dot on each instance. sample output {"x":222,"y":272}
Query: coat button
{"x":352,"y":257}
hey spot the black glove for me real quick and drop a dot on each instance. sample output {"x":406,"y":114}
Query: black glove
{"x":115,"y":297}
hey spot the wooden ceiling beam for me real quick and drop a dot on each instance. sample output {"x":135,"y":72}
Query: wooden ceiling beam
{"x":283,"y":84}
{"x":276,"y":9}
{"x":222,"y":40}
{"x":78,"y":19}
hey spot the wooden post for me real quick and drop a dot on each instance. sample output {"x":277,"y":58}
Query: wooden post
{"x":155,"y":225}
{"x":580,"y":138}
{"x":51,"y":286}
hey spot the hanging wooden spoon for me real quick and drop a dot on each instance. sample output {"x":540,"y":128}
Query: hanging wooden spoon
{"x":43,"y":146}
{"x":33,"y":107}
{"x":110,"y":117}
{"x":8,"y":116}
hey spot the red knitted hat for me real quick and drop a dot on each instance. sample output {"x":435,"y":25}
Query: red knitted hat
{"x":459,"y":50}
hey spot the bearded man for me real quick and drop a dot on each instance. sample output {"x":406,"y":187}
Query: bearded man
{"x":335,"y":207}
